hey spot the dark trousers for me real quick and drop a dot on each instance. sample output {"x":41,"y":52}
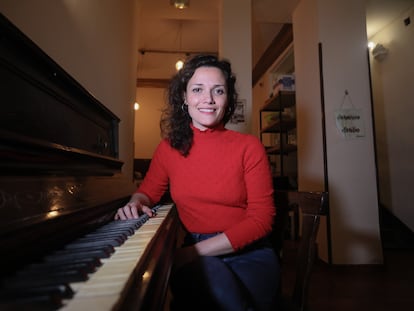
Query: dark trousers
{"x":246,"y":280}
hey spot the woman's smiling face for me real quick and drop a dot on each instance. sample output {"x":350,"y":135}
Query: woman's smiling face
{"x":206,"y":97}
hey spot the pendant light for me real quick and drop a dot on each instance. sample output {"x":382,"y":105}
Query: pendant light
{"x":180,"y":63}
{"x":180,"y":4}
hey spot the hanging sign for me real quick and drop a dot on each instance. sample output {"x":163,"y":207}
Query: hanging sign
{"x":350,"y":121}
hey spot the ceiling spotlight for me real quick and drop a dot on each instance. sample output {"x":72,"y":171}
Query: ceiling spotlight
{"x":180,"y":4}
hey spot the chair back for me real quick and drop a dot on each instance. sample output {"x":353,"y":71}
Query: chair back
{"x":311,"y":206}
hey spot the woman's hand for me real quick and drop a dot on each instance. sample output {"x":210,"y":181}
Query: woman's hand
{"x":138,"y":205}
{"x":214,"y":246}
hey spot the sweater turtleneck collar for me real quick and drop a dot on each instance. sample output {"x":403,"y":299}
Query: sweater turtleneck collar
{"x":218,"y":128}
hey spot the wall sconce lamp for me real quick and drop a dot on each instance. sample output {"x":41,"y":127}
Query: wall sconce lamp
{"x":378,"y":51}
{"x":180,"y":4}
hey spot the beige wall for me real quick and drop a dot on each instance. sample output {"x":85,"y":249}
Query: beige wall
{"x":147,"y":121}
{"x":95,"y":42}
{"x":393,"y":94}
{"x":237,"y":48}
{"x":351,"y":174}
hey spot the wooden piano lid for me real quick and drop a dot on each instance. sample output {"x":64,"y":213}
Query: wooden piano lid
{"x":59,"y":167}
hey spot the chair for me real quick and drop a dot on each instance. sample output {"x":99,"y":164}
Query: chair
{"x":311,"y":206}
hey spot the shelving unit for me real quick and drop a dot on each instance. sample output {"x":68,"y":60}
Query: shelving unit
{"x":278,"y":132}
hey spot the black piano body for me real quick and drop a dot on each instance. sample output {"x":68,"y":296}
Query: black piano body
{"x":60,"y":176}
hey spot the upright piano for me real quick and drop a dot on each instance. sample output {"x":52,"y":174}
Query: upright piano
{"x":60,"y":186}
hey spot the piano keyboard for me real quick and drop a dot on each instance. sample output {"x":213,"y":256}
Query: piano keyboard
{"x":117,"y":258}
{"x":105,"y":287}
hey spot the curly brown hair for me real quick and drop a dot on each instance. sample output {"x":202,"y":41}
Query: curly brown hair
{"x":175,"y":120}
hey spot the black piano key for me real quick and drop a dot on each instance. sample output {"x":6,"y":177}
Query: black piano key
{"x":66,"y":255}
{"x":33,"y":303}
{"x":87,"y":267}
{"x":113,"y":241}
{"x":32,"y":279}
{"x":69,"y":256}
{"x":102,"y":251}
{"x":103,"y":234}
{"x":90,"y":244}
{"x":133,"y":223}
{"x":94,"y":261}
{"x":63,"y":291}
{"x":128,"y":230}
{"x":42,"y":298}
{"x":116,"y":226}
{"x":34,"y":294}
{"x":75,"y":275}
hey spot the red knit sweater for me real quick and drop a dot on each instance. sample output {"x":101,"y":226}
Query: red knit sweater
{"x":223,"y":185}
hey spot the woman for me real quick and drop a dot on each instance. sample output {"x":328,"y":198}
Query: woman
{"x":221,"y":184}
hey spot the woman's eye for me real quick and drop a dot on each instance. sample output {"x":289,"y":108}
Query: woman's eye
{"x":197,"y":90}
{"x":220,"y":91}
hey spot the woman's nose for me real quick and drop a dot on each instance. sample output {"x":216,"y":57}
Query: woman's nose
{"x":209,"y":97}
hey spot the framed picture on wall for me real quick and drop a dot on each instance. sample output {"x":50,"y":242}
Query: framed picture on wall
{"x":238,"y":116}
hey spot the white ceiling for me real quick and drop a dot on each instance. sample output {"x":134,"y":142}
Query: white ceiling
{"x":195,"y":29}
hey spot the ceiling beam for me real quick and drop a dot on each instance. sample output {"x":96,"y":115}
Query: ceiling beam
{"x":186,"y":52}
{"x":279,"y":44}
{"x":155,"y":83}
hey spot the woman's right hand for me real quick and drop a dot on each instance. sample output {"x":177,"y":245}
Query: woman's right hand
{"x":134,"y":208}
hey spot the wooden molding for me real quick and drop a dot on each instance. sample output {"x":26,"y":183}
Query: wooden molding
{"x":279,"y":44}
